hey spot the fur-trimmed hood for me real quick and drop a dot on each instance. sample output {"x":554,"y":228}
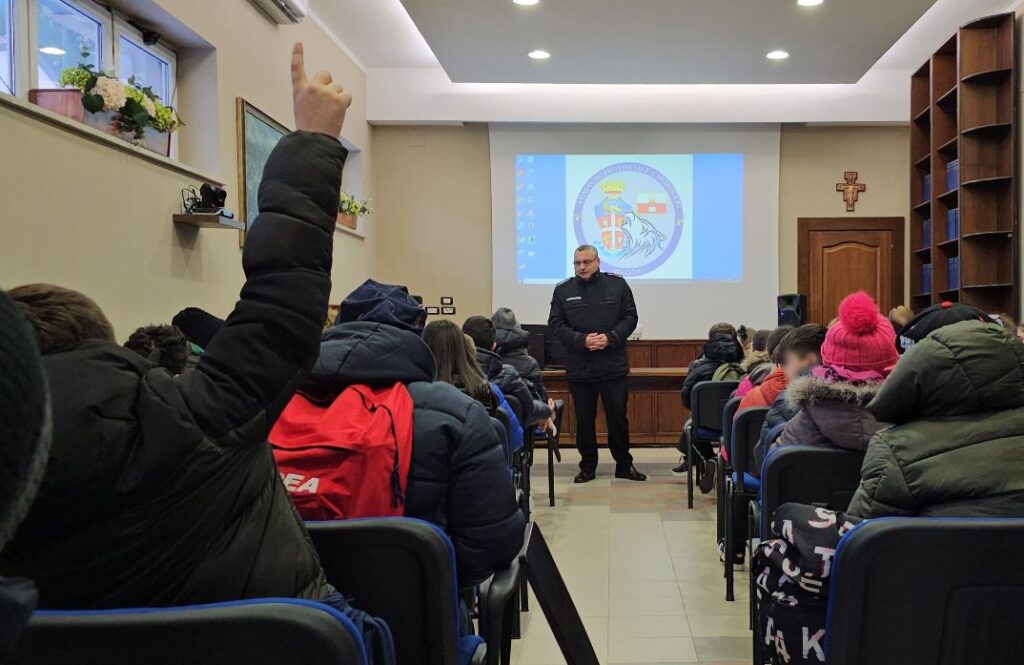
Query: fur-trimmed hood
{"x":806,"y":390}
{"x":754,"y":358}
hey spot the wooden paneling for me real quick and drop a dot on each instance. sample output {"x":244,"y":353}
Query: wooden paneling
{"x":641,"y":353}
{"x":677,"y":353}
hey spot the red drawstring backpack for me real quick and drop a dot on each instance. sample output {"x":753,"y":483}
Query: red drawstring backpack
{"x":347,"y":459}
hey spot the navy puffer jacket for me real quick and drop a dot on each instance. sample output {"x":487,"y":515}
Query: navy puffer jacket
{"x":459,"y":477}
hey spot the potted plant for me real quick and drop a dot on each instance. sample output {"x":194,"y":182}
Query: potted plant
{"x":350,"y":209}
{"x":107,"y":103}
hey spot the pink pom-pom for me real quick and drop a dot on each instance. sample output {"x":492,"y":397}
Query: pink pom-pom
{"x":858,"y":313}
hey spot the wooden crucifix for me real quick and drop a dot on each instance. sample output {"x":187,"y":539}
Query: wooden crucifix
{"x":851,"y":189}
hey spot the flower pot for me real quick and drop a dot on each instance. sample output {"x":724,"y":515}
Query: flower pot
{"x":106,"y":121}
{"x":348,"y":221}
{"x":65,"y":101}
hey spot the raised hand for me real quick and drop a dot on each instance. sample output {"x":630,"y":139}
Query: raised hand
{"x":320,"y":103}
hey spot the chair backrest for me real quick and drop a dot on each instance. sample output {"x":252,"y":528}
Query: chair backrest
{"x":707,"y":401}
{"x":272,"y":631}
{"x":728,"y":413}
{"x":940,"y":591}
{"x":808,"y":474}
{"x":401,"y":570}
{"x":746,"y":430}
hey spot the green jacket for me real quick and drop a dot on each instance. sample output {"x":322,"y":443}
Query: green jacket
{"x":957,"y":446}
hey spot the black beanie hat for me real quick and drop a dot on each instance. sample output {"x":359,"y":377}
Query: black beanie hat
{"x":25,"y":427}
{"x":198,"y":325}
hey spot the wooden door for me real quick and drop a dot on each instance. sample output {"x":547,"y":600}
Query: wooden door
{"x":840,"y":256}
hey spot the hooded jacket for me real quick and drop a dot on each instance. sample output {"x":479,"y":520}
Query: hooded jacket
{"x":764,"y":394}
{"x":162,"y":490}
{"x":530,"y":411}
{"x":720,"y":348}
{"x":779,"y":413}
{"x":513,"y":345}
{"x":830,"y":413}
{"x":458,"y":478}
{"x":956,"y":448}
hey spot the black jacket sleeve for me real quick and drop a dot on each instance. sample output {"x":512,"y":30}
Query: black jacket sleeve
{"x":250,"y":369}
{"x":557,"y":325}
{"x":484,"y":521}
{"x":620,"y":333}
{"x":693,"y":377}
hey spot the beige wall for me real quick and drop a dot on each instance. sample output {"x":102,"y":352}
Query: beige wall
{"x":433,"y":209}
{"x":813,"y":160}
{"x":93,"y":218}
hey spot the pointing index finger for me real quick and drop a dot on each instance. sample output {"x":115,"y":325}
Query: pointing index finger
{"x":298,"y":65}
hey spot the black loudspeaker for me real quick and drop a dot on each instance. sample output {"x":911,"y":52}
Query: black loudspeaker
{"x":792,"y":309}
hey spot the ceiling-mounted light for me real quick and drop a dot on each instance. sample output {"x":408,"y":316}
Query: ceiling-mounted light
{"x":526,"y":3}
{"x":539,"y":54}
{"x":810,"y":3}
{"x":777,"y":55}
{"x":52,"y":50}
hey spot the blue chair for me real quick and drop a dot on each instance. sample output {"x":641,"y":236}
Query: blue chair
{"x":725,"y":468}
{"x":401,"y":570}
{"x":928,"y":590}
{"x":741,"y":486}
{"x":269,"y":631}
{"x":706,"y":403}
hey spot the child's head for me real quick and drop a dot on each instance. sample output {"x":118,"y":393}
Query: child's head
{"x":900,"y":316}
{"x":723,"y":329}
{"x":862,"y":340}
{"x":800,"y":348}
{"x":775,"y":337}
{"x":759,"y":340}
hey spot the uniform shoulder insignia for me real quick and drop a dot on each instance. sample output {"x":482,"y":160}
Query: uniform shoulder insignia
{"x":615,"y":274}
{"x":564,"y":281}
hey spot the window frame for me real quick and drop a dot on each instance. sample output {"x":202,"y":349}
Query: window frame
{"x":94,"y":11}
{"x":159,"y":51}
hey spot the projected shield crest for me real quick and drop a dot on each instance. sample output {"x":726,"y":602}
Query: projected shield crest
{"x":633,"y":214}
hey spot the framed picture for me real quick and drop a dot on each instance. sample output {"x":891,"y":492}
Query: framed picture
{"x":258,"y":133}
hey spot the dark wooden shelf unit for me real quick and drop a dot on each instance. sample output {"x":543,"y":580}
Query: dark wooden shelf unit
{"x":209,"y":222}
{"x":963,"y":106}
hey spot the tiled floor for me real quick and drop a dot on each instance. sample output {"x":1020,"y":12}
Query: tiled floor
{"x":641,"y":568}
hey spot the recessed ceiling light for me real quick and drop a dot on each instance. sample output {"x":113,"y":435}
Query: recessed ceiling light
{"x":52,"y":50}
{"x":810,"y":3}
{"x":777,"y":55}
{"x":539,"y":54}
{"x":526,"y":3}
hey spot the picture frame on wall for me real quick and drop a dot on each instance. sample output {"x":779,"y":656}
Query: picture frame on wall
{"x":257,"y":135}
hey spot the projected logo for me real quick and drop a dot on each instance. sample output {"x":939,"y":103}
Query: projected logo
{"x":633,"y":214}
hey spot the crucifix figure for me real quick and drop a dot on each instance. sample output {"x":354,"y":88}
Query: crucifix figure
{"x":851,"y":189}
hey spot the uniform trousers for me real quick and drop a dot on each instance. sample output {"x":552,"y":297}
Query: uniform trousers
{"x":614,"y":395}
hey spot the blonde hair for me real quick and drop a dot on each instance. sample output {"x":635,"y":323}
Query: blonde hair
{"x":331,"y":317}
{"x":901,"y":310}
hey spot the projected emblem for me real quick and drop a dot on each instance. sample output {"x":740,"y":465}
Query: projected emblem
{"x":633,"y":214}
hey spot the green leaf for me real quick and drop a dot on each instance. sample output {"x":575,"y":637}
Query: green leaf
{"x":92,"y":103}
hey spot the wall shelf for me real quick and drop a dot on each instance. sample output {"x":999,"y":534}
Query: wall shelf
{"x":923,"y":115}
{"x":949,"y":147}
{"x":987,"y":75}
{"x":209,"y":222}
{"x":990,"y":128}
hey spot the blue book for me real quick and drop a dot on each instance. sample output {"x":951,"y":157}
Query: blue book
{"x":926,"y":234}
{"x":928,"y":187}
{"x":953,"y":224}
{"x":952,"y":175}
{"x":954,"y":273}
{"x":926,"y":278}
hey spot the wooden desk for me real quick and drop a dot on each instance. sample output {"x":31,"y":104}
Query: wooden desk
{"x":656,"y":411}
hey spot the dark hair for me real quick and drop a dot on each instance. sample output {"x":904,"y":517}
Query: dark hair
{"x":587,"y":248}
{"x":164,"y":346}
{"x":774,"y":339}
{"x":722,"y":328}
{"x":481,"y":330}
{"x":455,"y":362}
{"x":61,"y":318}
{"x":759,"y":342}
{"x":808,"y":338}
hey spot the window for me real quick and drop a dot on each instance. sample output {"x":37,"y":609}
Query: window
{"x":6,"y":47}
{"x":150,"y":65}
{"x":67,"y":36}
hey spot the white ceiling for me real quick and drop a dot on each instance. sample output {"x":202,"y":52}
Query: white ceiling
{"x":406,"y":82}
{"x":661,"y":41}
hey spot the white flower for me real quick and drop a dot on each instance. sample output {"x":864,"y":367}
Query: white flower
{"x":150,"y":107}
{"x":112,"y":91}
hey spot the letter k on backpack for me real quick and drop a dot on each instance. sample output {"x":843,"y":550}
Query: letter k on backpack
{"x":349,"y":458}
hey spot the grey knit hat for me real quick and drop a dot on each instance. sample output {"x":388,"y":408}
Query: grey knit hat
{"x":504,"y":318}
{"x":25,"y":427}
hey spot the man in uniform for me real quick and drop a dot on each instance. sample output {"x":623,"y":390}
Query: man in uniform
{"x":593,"y":314}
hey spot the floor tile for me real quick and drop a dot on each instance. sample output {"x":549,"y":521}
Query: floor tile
{"x":648,"y":626}
{"x":723,"y":649}
{"x":725,"y":625}
{"x":652,"y":606}
{"x":651,"y":650}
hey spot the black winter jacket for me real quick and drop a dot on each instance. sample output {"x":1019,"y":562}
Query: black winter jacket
{"x":162,"y":490}
{"x":513,"y":345}
{"x":603,"y":304}
{"x":957,"y":448}
{"x":507,"y":379}
{"x":779,"y":413}
{"x":721,"y":348}
{"x":459,"y":477}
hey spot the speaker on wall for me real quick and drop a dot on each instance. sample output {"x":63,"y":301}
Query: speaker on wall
{"x":792,"y":309}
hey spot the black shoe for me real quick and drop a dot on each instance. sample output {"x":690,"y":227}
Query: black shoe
{"x":707,"y":479}
{"x":738,"y":558}
{"x":681,"y":469}
{"x":584,"y":477}
{"x":630,"y":474}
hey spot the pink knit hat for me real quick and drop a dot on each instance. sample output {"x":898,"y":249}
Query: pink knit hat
{"x":862,"y":339}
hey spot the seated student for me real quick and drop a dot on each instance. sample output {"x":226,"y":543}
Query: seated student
{"x":900,"y":316}
{"x":956,"y":401}
{"x":756,"y":363}
{"x":799,"y":352}
{"x":857,"y":355}
{"x":25,"y":431}
{"x":162,"y":490}
{"x":775,"y":382}
{"x":483,"y":333}
{"x":512,"y":346}
{"x":164,"y":346}
{"x":456,"y":471}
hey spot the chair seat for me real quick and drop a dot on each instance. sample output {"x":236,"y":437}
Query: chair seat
{"x":749,"y":481}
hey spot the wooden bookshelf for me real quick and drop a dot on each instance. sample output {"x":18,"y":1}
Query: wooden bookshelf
{"x":964,"y":108}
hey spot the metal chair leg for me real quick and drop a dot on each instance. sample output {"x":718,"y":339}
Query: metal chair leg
{"x":688,"y":433}
{"x":551,"y":475}
{"x":729,"y":572}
